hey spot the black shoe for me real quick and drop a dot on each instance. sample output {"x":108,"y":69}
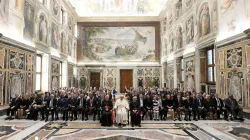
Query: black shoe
{"x":42,"y":119}
{"x":46,"y":120}
{"x":52,"y":119}
{"x":139,"y":125}
{"x":241,"y":119}
{"x":227,"y":119}
{"x":133,"y":125}
{"x":175,"y":119}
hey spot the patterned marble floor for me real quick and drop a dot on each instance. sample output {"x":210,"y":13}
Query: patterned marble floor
{"x":90,"y":130}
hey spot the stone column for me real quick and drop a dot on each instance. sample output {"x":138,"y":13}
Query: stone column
{"x":197,"y":71}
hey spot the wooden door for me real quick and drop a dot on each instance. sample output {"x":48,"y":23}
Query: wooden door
{"x":126,"y":79}
{"x":95,"y":80}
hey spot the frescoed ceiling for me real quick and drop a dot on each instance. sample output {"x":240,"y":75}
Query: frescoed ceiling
{"x":87,"y":8}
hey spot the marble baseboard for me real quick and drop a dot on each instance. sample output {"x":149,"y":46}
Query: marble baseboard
{"x":247,"y":114}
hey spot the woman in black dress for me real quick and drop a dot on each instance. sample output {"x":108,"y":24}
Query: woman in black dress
{"x":23,"y":106}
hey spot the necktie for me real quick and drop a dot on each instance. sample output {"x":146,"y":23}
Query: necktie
{"x":81,"y":103}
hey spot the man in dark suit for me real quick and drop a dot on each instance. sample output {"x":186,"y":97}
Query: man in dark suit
{"x":234,"y":108}
{"x":219,"y":107}
{"x":188,"y":108}
{"x":135,"y":112}
{"x":91,"y":103}
{"x":194,"y":106}
{"x":81,"y":105}
{"x":107,"y":105}
{"x":179,"y":106}
{"x":51,"y":107}
{"x":43,"y":107}
{"x":13,"y":106}
{"x":35,"y":107}
{"x":200,"y":107}
{"x":98,"y":106}
{"x":208,"y":107}
{"x":148,"y":105}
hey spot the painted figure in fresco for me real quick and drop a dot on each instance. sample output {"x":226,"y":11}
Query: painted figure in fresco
{"x":55,"y":37}
{"x":140,"y":82}
{"x":190,"y":30}
{"x":29,"y":83}
{"x":4,"y":9}
{"x":43,"y":29}
{"x":222,"y":84}
{"x":28,"y":31}
{"x":83,"y":82}
{"x":190,"y":82}
{"x":63,"y":46}
{"x":55,"y":6}
{"x":70,"y":23}
{"x":188,"y":3}
{"x":118,"y":3}
{"x":215,"y":22}
{"x":55,"y":82}
{"x":226,"y":5}
{"x":141,"y":6}
{"x":16,"y":84}
{"x":179,"y":38}
{"x":204,"y":20}
{"x":170,"y":18}
{"x":69,"y":48}
{"x":235,"y":87}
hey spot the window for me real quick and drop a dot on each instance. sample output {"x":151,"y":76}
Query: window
{"x":38,"y":72}
{"x":211,"y":69}
{"x":60,"y":75}
{"x":182,"y":70}
{"x":43,"y":2}
{"x":62,"y":13}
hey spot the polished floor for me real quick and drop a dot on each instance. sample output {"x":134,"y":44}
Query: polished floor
{"x":155,"y":130}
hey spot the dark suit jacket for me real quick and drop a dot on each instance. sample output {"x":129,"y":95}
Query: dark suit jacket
{"x":83,"y":102}
{"x":231,"y":103}
{"x":54,"y":103}
{"x":107,"y":103}
{"x":176,"y":103}
{"x":208,"y":104}
{"x":134,"y":106}
{"x":93,"y":103}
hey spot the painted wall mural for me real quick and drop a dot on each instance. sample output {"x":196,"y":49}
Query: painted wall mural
{"x":232,"y":19}
{"x":234,"y":58}
{"x":236,"y":86}
{"x":248,"y":87}
{"x":190,"y":66}
{"x":30,"y":62}
{"x":179,"y":38}
{"x":55,"y":69}
{"x":247,"y":8}
{"x":2,"y":58}
{"x":204,"y":20}
{"x":190,"y":83}
{"x":214,"y":15}
{"x":119,"y":7}
{"x":221,"y":60}
{"x":16,"y":60}
{"x":247,"y":50}
{"x":2,"y":86}
{"x":55,"y":7}
{"x":43,"y":31}
{"x":55,"y":36}
{"x":4,"y":12}
{"x":222,"y":84}
{"x":28,"y":31}
{"x":16,"y":83}
{"x":119,"y":44}
{"x":190,"y":30}
{"x":29,"y":83}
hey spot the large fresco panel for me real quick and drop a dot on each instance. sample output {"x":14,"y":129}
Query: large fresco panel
{"x":28,"y":31}
{"x":16,"y":84}
{"x":2,"y":58}
{"x":119,"y":44}
{"x":16,"y":60}
{"x":236,"y":86}
{"x":2,"y":86}
{"x":204,"y":20}
{"x":234,"y":58}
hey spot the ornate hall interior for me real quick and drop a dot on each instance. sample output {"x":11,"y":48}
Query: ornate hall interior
{"x":176,"y":69}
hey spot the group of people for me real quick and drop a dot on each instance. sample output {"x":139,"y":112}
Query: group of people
{"x":138,"y":103}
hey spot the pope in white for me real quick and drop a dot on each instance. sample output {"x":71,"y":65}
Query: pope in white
{"x":121,"y":107}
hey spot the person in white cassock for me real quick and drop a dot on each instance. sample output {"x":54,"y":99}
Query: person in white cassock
{"x":121,"y":108}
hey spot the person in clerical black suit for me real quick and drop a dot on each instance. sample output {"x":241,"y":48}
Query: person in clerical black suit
{"x":188,"y":108}
{"x":135,"y":112}
{"x":234,"y":108}
{"x":106,"y":119}
{"x":98,"y":106}
{"x":179,"y":106}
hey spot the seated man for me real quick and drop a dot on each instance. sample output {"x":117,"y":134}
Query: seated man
{"x":81,"y":106}
{"x":155,"y":105}
{"x":35,"y":107}
{"x":200,"y":107}
{"x":121,"y":107}
{"x":208,"y":107}
{"x":107,"y":105}
{"x":14,"y":105}
{"x":135,"y":112}
{"x":91,"y":103}
{"x":219,"y":107}
{"x":233,"y":107}
{"x":51,"y":107}
{"x":179,"y":107}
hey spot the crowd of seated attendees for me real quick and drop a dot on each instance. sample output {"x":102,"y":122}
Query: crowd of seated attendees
{"x":153,"y":103}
